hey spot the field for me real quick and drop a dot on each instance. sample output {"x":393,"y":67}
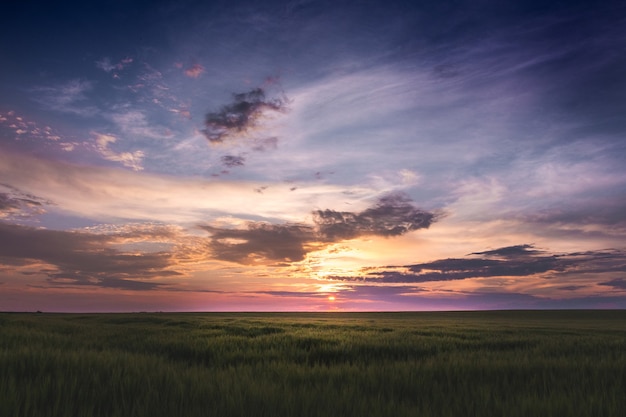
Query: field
{"x":508,"y":363}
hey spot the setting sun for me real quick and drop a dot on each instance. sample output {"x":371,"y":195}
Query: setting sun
{"x":331,"y":298}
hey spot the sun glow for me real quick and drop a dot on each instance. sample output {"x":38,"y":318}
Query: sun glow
{"x":331,"y":298}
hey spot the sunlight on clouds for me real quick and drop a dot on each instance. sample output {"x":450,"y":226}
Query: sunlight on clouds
{"x":106,"y":193}
{"x":337,"y":259}
{"x":394,"y":156}
{"x":128,"y":159}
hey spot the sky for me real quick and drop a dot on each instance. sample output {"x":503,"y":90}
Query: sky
{"x":305,"y":155}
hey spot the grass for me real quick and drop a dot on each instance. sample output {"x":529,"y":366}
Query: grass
{"x":509,"y":363}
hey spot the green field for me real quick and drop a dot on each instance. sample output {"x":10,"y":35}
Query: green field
{"x":507,"y":363}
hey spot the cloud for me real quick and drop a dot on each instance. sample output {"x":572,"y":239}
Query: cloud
{"x":128,"y":159}
{"x":231,"y":161}
{"x":618,"y":283}
{"x":295,"y":294}
{"x":511,"y":251}
{"x":241,"y":115}
{"x":407,"y":297}
{"x":261,"y":242}
{"x":264,"y":144}
{"x":16,"y":204}
{"x":107,"y":194}
{"x":393,"y":215}
{"x":601,"y":210}
{"x":69,"y":97}
{"x":106,"y":65}
{"x":25,"y":128}
{"x":511,"y":261}
{"x":194,"y":71}
{"x":134,"y":123}
{"x":84,"y":258}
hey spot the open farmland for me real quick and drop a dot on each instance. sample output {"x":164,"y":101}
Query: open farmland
{"x":506,"y":363}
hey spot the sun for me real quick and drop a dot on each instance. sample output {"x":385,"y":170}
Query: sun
{"x":331,"y":298}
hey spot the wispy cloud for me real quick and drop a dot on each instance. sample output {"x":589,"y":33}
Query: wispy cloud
{"x":128,"y":159}
{"x":134,"y":123}
{"x":194,"y":71}
{"x":106,"y":65}
{"x":70,"y":97}
{"x":265,"y":144}
{"x":106,"y":193}
{"x":16,"y":204}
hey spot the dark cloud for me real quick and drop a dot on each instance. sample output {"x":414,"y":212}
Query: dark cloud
{"x":261,"y":242}
{"x":619,"y":283}
{"x":83,"y":258}
{"x":241,"y":115}
{"x":9,"y":203}
{"x":520,"y":260}
{"x":572,"y":287}
{"x":393,"y":215}
{"x":408,"y":297}
{"x":231,"y":161}
{"x":511,"y":251}
{"x":15,"y":203}
{"x":295,"y":294}
{"x":73,"y":280}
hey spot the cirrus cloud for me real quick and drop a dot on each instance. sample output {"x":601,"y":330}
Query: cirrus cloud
{"x":128,"y":159}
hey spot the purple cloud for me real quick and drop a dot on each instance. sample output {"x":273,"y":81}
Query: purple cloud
{"x":519,"y":261}
{"x":393,"y":215}
{"x":82,"y":258}
{"x":241,"y":115}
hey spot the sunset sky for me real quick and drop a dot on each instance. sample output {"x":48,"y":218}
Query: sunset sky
{"x":269,"y":155}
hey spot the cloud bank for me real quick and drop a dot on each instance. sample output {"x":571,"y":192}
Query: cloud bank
{"x":81,"y":258}
{"x":511,"y":261}
{"x":393,"y":215}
